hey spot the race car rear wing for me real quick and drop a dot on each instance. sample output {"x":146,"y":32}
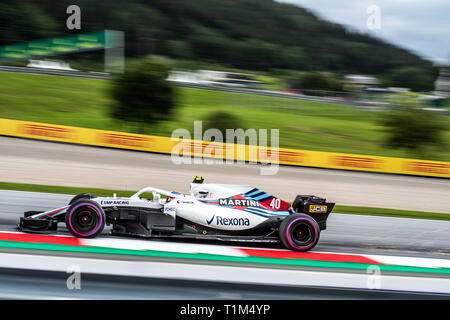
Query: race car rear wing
{"x":315,"y":207}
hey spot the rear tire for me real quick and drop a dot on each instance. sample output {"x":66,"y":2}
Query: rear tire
{"x":299,"y":232}
{"x":85,"y":219}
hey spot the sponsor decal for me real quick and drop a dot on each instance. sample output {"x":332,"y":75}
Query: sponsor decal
{"x":239,"y":202}
{"x":46,"y":131}
{"x":428,"y":167}
{"x":283,"y":155}
{"x":199,"y":147}
{"x":169,"y":209}
{"x":115,"y":202}
{"x":357,"y":162}
{"x":316,"y":208}
{"x":221,"y":221}
{"x":210,"y":221}
{"x":124,"y":140}
{"x":291,"y":156}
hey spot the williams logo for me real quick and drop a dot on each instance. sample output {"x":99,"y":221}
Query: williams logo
{"x":239,"y":202}
{"x":220,"y":221}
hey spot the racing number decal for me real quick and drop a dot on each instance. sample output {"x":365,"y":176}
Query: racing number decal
{"x":275,"y":203}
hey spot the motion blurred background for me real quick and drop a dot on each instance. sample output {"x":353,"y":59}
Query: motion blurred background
{"x":360,"y":78}
{"x":355,"y":73}
{"x":258,"y":45}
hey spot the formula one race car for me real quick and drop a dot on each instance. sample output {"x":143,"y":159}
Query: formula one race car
{"x":211,"y":211}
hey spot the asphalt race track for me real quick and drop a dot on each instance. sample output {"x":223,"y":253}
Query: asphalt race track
{"x":351,"y":234}
{"x":49,"y":163}
{"x":39,"y":162}
{"x":345,"y":233}
{"x":61,"y":164}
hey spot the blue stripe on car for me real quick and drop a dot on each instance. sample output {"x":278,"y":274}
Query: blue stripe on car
{"x":266,"y":212}
{"x":263,"y":196}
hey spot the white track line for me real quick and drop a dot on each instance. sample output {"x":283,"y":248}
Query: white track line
{"x":186,"y":271}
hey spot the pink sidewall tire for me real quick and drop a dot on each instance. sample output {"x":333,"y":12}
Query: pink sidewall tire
{"x":299,"y":232}
{"x":85,"y":219}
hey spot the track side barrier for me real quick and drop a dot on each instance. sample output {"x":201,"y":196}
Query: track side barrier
{"x":167,"y":145}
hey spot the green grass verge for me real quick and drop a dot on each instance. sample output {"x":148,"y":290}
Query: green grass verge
{"x":392,"y":212}
{"x":63,"y":190}
{"x":121,"y":193}
{"x":303,"y":124}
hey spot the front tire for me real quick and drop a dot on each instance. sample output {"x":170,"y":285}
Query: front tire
{"x":299,"y":232}
{"x":80,"y":196}
{"x":85,"y":219}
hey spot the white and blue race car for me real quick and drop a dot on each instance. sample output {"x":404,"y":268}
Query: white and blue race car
{"x":211,"y":211}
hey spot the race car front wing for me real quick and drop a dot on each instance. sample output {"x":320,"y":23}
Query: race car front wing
{"x":41,"y":221}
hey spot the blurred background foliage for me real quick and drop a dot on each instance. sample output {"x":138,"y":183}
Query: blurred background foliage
{"x":284,"y":46}
{"x":245,"y":34}
{"x":222,"y":120}
{"x":142,"y":95}
{"x":413,"y":129}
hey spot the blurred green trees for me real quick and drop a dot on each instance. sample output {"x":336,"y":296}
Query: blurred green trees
{"x":246,"y":34}
{"x":23,"y":21}
{"x":222,"y":121}
{"x":417,"y":79}
{"x":314,"y":80}
{"x":413,"y":129}
{"x":142,"y":94}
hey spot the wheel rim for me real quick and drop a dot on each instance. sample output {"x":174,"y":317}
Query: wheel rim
{"x":302,"y":234}
{"x":85,"y":219}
